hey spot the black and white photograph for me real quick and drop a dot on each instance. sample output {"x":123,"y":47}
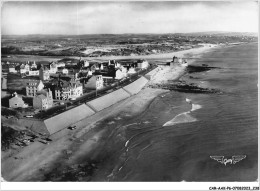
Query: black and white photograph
{"x":127,"y":92}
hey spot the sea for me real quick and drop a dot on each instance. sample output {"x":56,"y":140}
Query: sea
{"x":178,"y":136}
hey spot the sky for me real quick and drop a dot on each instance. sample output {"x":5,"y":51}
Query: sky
{"x":81,"y":17}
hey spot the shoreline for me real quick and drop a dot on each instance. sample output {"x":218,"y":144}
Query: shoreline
{"x":148,"y":57}
{"x":83,"y":141}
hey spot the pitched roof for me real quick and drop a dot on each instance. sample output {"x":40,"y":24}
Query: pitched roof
{"x":41,"y":96}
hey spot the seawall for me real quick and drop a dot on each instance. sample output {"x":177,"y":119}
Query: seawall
{"x":136,"y":86}
{"x":67,"y":118}
{"x":152,"y":73}
{"x":108,"y":99}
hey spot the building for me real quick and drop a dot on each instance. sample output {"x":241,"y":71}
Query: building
{"x":12,"y":68}
{"x":43,"y":100}
{"x":22,"y":69}
{"x":95,"y":82}
{"x":131,"y":71}
{"x":117,"y":65}
{"x":65,"y":71}
{"x":176,"y":60}
{"x":34,"y":65}
{"x":53,"y":68}
{"x":27,"y":68}
{"x":4,"y":83}
{"x":77,"y":88}
{"x":60,"y":64}
{"x":16,"y":102}
{"x":34,"y":72}
{"x":68,"y":90}
{"x":86,"y":63}
{"x":120,"y":73}
{"x":44,"y":73}
{"x":33,"y":86}
{"x":142,"y":64}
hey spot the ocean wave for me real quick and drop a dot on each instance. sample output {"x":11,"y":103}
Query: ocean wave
{"x":195,"y":107}
{"x":184,"y":117}
{"x":181,"y":118}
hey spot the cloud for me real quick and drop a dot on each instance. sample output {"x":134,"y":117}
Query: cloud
{"x":128,"y":17}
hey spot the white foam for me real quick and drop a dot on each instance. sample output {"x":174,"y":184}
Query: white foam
{"x":126,"y":143}
{"x":181,"y":118}
{"x":184,"y":117}
{"x":195,"y":107}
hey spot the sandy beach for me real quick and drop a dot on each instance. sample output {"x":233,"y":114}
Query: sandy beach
{"x":87,"y":142}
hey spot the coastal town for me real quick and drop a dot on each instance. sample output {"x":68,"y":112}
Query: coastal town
{"x":125,"y":95}
{"x":48,"y":89}
{"x":45,"y":100}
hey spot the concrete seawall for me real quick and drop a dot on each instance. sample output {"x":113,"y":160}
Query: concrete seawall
{"x":34,"y":125}
{"x":63,"y":120}
{"x":152,"y":73}
{"x":108,"y":99}
{"x":136,"y":86}
{"x":67,"y":118}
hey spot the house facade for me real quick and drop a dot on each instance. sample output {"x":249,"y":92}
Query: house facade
{"x":44,"y":73}
{"x":33,"y":73}
{"x":131,"y":71}
{"x":53,"y":68}
{"x":95,"y":82}
{"x":27,"y":67}
{"x":68,"y":90}
{"x":65,"y":71}
{"x":142,"y":64}
{"x":16,"y":102}
{"x":22,"y":69}
{"x":120,"y":73}
{"x":33,"y":86}
{"x":43,"y":100}
{"x":12,"y":68}
{"x":86,"y":63}
{"x":34,"y":65}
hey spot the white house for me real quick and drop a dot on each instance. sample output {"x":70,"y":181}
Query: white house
{"x":44,"y":73}
{"x":117,"y":65}
{"x":131,"y":71}
{"x":89,"y":73}
{"x":34,"y":65}
{"x":27,"y":67}
{"x":33,"y":73}
{"x":142,"y":64}
{"x":53,"y":68}
{"x":77,"y":89}
{"x":17,"y":101}
{"x":43,"y":99}
{"x":33,"y":86}
{"x":60,"y":64}
{"x":12,"y":69}
{"x":65,"y":71}
{"x":101,"y":67}
{"x":67,"y":90}
{"x":22,"y":69}
{"x":95,"y":82}
{"x":120,"y":73}
{"x":86,"y":63}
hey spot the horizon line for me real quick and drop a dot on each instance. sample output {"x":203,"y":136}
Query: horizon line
{"x":128,"y":33}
